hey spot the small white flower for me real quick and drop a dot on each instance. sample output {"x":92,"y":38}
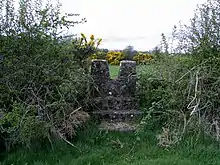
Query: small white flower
{"x":110,"y":93}
{"x":132,"y":115}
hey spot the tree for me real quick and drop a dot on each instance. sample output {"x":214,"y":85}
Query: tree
{"x":129,"y":52}
{"x":164,"y":44}
{"x":201,"y":37}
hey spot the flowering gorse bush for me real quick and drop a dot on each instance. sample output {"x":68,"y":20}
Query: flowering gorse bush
{"x":85,"y":49}
{"x":114,"y":58}
{"x":92,"y":43}
{"x":98,"y":55}
{"x":142,"y":58}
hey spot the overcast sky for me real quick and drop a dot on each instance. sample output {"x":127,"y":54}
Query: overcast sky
{"x":130,"y":22}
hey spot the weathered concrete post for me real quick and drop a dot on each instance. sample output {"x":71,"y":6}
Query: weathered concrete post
{"x":128,"y":78}
{"x":100,"y":74}
{"x":115,"y":101}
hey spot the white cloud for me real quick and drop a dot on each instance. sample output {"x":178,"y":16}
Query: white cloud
{"x":135,"y":22}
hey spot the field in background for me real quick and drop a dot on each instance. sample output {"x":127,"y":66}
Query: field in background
{"x":114,"y":70}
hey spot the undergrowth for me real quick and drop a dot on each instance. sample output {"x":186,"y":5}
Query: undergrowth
{"x":95,"y":147}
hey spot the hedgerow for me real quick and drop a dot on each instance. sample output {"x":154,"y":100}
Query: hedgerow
{"x":43,"y":84}
{"x":181,"y":96}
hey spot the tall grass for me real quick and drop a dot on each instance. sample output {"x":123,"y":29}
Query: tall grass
{"x":98,"y":148}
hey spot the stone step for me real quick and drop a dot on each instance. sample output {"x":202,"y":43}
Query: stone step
{"x":123,"y":112}
{"x":115,"y":103}
{"x":117,"y":126}
{"x":117,"y":116}
{"x":109,"y":97}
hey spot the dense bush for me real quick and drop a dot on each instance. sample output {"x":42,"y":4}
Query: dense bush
{"x":201,"y":41}
{"x":182,"y":93}
{"x":85,"y":50}
{"x":42,"y":83}
{"x":114,"y":57}
{"x":142,"y":58}
{"x":100,"y":54}
{"x":201,"y":37}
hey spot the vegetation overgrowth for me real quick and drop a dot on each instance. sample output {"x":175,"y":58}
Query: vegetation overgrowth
{"x":44,"y":91}
{"x":97,"y":148}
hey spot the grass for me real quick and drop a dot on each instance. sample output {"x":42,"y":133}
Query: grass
{"x":114,"y":70}
{"x":103,"y":148}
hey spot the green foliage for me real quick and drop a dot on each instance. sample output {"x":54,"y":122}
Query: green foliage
{"x":201,"y":37}
{"x":41,"y":82}
{"x":85,"y":50}
{"x":164,"y":95}
{"x":181,"y":96}
{"x":129,"y":52}
{"x":181,"y":93}
{"x":164,"y":44}
{"x":22,"y":124}
{"x":100,"y":54}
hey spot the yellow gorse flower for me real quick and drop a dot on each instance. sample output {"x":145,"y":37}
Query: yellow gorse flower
{"x":114,"y":58}
{"x":91,"y":44}
{"x":143,"y":58}
{"x":92,"y":37}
